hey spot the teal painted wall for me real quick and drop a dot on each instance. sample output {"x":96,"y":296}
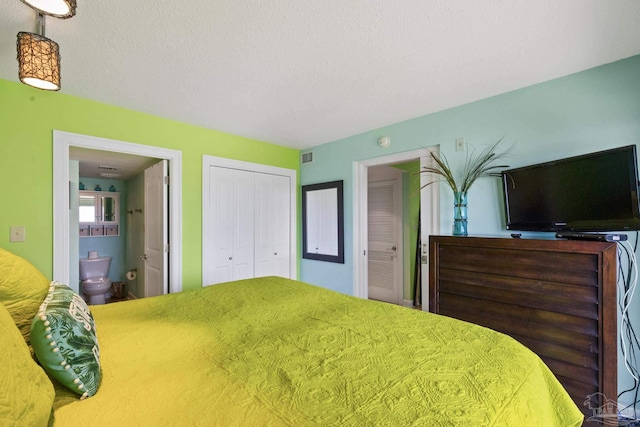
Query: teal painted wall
{"x":589,"y":111}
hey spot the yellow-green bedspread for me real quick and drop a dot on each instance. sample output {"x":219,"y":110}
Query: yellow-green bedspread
{"x":273,"y":351}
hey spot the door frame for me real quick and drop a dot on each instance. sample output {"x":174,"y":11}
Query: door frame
{"x":62,"y":141}
{"x":429,"y":216}
{"x":208,"y":161}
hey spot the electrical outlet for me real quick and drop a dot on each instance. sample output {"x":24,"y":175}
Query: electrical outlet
{"x":17,"y":233}
{"x":459,"y":144}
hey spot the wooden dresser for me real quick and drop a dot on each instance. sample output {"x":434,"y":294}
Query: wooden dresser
{"x":557,"y":297}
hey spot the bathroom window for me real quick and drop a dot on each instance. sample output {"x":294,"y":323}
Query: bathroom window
{"x":99,"y":213}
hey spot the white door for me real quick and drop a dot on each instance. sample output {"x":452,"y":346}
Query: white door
{"x":272,"y":225}
{"x":385,"y":241}
{"x":156,"y":244}
{"x":248,"y":220}
{"x":230,"y":239}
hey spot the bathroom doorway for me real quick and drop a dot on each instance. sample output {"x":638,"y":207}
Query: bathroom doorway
{"x":73,"y":152}
{"x":135,"y":185}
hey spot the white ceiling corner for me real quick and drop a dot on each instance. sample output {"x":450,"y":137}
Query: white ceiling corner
{"x":300,"y":73}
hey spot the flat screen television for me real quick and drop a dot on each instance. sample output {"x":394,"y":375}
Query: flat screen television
{"x":595,"y":192}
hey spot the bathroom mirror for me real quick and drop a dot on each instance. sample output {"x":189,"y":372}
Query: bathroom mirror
{"x":108,"y":204}
{"x":323,"y":222}
{"x":98,"y":207}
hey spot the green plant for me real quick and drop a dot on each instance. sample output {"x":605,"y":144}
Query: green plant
{"x":482,"y":165}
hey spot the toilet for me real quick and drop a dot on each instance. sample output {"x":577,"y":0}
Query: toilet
{"x":94,"y":273}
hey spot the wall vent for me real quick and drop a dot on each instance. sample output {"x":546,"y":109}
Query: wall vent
{"x":306,"y":157}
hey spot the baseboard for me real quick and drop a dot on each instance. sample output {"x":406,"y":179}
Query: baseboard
{"x":407,"y":303}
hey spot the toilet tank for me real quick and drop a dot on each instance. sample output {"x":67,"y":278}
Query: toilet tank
{"x":93,"y":268}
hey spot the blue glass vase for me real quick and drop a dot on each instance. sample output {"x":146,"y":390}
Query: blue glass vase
{"x":460,"y":213}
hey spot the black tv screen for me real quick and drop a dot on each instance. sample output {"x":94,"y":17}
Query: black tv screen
{"x":592,"y":192}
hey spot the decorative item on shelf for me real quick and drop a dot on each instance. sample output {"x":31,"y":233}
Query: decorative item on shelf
{"x":112,"y":188}
{"x":38,"y":56}
{"x":482,"y":165}
{"x":81,"y":186}
{"x":98,"y":188}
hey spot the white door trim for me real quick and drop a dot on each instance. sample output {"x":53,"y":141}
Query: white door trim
{"x":208,"y":161}
{"x":429,"y":216}
{"x":61,"y":143}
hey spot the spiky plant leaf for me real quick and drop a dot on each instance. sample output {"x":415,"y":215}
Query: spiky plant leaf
{"x":480,"y":166}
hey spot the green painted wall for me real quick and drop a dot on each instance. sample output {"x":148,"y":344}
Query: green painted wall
{"x":27,"y":118}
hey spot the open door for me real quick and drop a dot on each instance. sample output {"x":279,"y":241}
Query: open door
{"x":156,"y":243}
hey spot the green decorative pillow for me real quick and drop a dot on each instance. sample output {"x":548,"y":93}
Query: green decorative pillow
{"x":63,"y":336}
{"x":26,"y":394}
{"x":22,"y":289}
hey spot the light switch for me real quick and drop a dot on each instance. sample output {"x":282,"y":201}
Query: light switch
{"x":17,"y":233}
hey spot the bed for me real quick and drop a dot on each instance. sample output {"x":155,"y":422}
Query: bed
{"x":273,"y":351}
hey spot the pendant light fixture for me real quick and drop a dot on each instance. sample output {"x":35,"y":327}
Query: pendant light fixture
{"x":38,"y":61}
{"x":38,"y":56}
{"x":59,"y":8}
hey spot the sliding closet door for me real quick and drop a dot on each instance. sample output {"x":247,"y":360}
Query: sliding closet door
{"x":272,"y":225}
{"x":231,"y":224}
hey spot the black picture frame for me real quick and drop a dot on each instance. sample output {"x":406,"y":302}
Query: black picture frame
{"x":306,"y":189}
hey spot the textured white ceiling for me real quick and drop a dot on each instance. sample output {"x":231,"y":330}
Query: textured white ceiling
{"x":304,"y":72}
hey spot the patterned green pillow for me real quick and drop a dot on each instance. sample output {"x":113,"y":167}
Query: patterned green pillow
{"x":63,"y":336}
